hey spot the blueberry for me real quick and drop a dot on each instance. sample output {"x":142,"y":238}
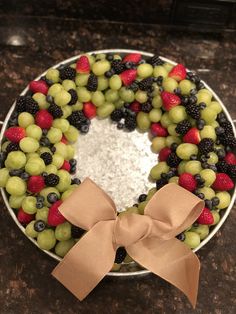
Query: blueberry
{"x":73,"y":162}
{"x":108,"y":74}
{"x":73,"y":170}
{"x":221,"y":153}
{"x":201,"y":196}
{"x":215,"y":201}
{"x":44,"y":174}
{"x":39,"y":225}
{"x":213,"y":167}
{"x":40,"y":198}
{"x":208,"y":204}
{"x":197,"y":177}
{"x":120,"y":125}
{"x":109,"y":57}
{"x":202,"y":105}
{"x":76,"y":181}
{"x":193,"y":157}
{"x":39,"y":205}
{"x":181,"y":236}
{"x":135,"y":205}
{"x":52,"y":197}
{"x":15,"y":172}
{"x":45,"y":131}
{"x":53,"y":149}
{"x":193,"y":91}
{"x":173,"y":147}
{"x":142,"y":61}
{"x":164,"y":175}
{"x":219,"y":130}
{"x":128,"y":65}
{"x":49,"y":99}
{"x":142,"y":197}
{"x":84,"y":129}
{"x":24,"y":176}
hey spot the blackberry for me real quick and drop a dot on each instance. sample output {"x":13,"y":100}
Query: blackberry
{"x":74,"y":97}
{"x":206,"y":146}
{"x":227,"y":127}
{"x":67,"y":73}
{"x":76,"y":232}
{"x":117,"y":66}
{"x":55,"y":111}
{"x":161,"y":182}
{"x":47,"y":158}
{"x":20,"y":104}
{"x":146,"y":83}
{"x":134,"y":86}
{"x":155,"y":60}
{"x":232,"y":171}
{"x":31,"y":105}
{"x":92,"y":84}
{"x":12,"y":147}
{"x":173,"y":160}
{"x":183,"y":127}
{"x":228,"y":140}
{"x":193,"y":110}
{"x":77,"y":118}
{"x":117,"y":115}
{"x":222,"y":166}
{"x":146,"y":107}
{"x":3,"y":156}
{"x":120,"y":255}
{"x":142,"y":197}
{"x":130,"y":123}
{"x":51,"y":180}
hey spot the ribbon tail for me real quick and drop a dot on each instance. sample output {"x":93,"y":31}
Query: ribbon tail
{"x":88,"y":261}
{"x":171,"y":260}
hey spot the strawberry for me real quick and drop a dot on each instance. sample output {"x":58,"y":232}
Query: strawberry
{"x":206,"y":217}
{"x":43,"y":119}
{"x":158,"y":130}
{"x":66,"y":166}
{"x":187,"y":181}
{"x":23,"y":217}
{"x":35,"y":184}
{"x":54,"y":216}
{"x":132,"y":57}
{"x":178,"y":72}
{"x":89,"y":110}
{"x":135,"y":106}
{"x":164,"y":153}
{"x":222,"y":182}
{"x":192,"y":136}
{"x":38,"y":87}
{"x":170,"y":100}
{"x":64,"y":140}
{"x":15,"y":134}
{"x":128,"y":76}
{"x":82,"y":65}
{"x":230,"y":158}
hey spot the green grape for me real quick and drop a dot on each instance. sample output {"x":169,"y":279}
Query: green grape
{"x":203,"y":97}
{"x":159,"y":70}
{"x":143,"y":121}
{"x":32,"y":155}
{"x":155,"y":90}
{"x":168,"y":66}
{"x":42,"y":150}
{"x":46,"y":239}
{"x":71,"y":134}
{"x":44,"y":192}
{"x":213,"y":158}
{"x":155,"y":115}
{"x":224,"y":198}
{"x":54,"y":89}
{"x":16,"y":201}
{"x":144,"y":70}
{"x":53,"y":75}
{"x":215,"y":105}
{"x":208,"y":115}
{"x":62,"y":98}
{"x":115,"y":267}
{"x":158,"y":169}
{"x":115,"y":82}
{"x":102,"y":83}
{"x":29,"y":145}
{"x":67,"y":111}
{"x":4,"y":176}
{"x":70,"y":150}
{"x":91,"y":59}
{"x":208,"y":192}
{"x":63,"y":247}
{"x":185,"y":150}
{"x":181,"y":167}
{"x":54,"y":135}
{"x":15,"y":160}
{"x":100,"y":56}
{"x":29,"y":204}
{"x":119,"y":103}
{"x":172,"y":139}
{"x":177,"y":114}
{"x":68,"y":84}
{"x":169,"y":84}
{"x":215,"y":124}
{"x":157,"y":101}
{"x":29,"y":230}
{"x":61,"y":124}
{"x":66,"y":194}
{"x":100,"y":67}
{"x":151,"y":192}
{"x":63,"y":231}
{"x":81,"y":79}
{"x":83,"y":94}
{"x":98,"y":98}
{"x":192,"y":239}
{"x":205,"y":91}
{"x":171,"y":129}
{"x":216,"y":217}
{"x":158,"y":143}
{"x":34,"y":131}
{"x":25,"y":119}
{"x":35,"y":166}
{"x":4,"y":146}
{"x":165,"y":120}
{"x":57,"y":160}
{"x":141,"y":96}
{"x":141,"y":207}
{"x":174,"y":180}
{"x":185,"y":87}
{"x":111,"y":95}
{"x":51,"y":169}
{"x":42,"y":214}
{"x":208,"y":132}
{"x":105,"y":110}
{"x":126,"y":94}
{"x":77,"y":106}
{"x":41,"y":100}
{"x":193,"y":167}
{"x":64,"y":180}
{"x":209,"y":176}
{"x":202,"y":230}
{"x":15,"y":186}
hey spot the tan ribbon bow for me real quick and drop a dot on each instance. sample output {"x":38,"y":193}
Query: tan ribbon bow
{"x":149,"y":239}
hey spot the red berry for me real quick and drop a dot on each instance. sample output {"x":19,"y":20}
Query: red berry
{"x":66,"y":166}
{"x":158,"y":130}
{"x":187,"y":181}
{"x":206,"y":217}
{"x":178,"y":72}
{"x":164,"y":153}
{"x":192,"y":136}
{"x":135,"y":106}
{"x":35,"y":184}
{"x":222,"y":182}
{"x":132,"y":57}
{"x":23,"y":217}
{"x":43,"y":119}
{"x":230,"y":158}
{"x":128,"y":76}
{"x":15,"y":134}
{"x":89,"y":110}
{"x":64,"y":140}
{"x":82,"y":65}
{"x":170,"y":100}
{"x":54,"y":216}
{"x":38,"y":87}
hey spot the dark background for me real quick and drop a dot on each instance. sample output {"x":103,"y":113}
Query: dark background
{"x":37,"y":34}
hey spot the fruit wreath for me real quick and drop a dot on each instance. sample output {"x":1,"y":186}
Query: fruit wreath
{"x":189,"y":131}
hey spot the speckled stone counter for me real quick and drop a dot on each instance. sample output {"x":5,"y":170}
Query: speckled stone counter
{"x":27,"y":47}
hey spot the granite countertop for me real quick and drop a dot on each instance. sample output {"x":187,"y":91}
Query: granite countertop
{"x":28,"y":46}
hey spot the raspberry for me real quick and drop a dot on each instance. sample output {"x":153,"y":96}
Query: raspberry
{"x":55,"y":218}
{"x":193,"y":110}
{"x":146,"y":83}
{"x":206,"y":146}
{"x":12,"y":147}
{"x":155,"y":60}
{"x":74,"y":97}
{"x":130,"y":123}
{"x":35,"y":184}
{"x":183,"y":127}
{"x":173,"y":160}
{"x":44,"y":119}
{"x":92,"y":84}
{"x":55,"y":111}
{"x":120,"y":255}
{"x":47,"y":158}
{"x":117,"y":66}
{"x":187,"y":181}
{"x":67,"y":73}
{"x":20,"y":104}
{"x":51,"y":180}
{"x":31,"y":105}
{"x":117,"y":115}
